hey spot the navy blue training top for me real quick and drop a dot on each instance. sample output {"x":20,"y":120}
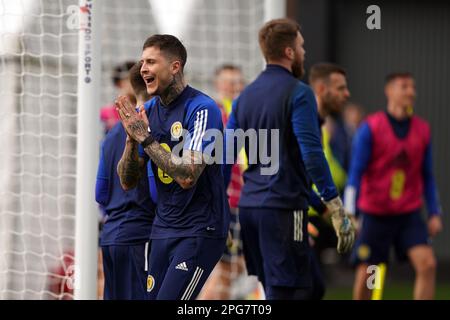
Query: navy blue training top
{"x":277,"y":100}
{"x":203,"y":209}
{"x":129,"y":213}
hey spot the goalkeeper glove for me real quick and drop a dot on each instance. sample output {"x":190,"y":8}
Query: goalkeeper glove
{"x":342,"y":224}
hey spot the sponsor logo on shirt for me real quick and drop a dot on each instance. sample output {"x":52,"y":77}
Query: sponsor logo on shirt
{"x":182,"y":266}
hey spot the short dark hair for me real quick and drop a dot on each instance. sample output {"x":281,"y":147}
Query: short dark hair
{"x":137,"y":82}
{"x":120,"y":71}
{"x":395,"y":75}
{"x":168,"y":44}
{"x":228,"y":67}
{"x":276,"y":35}
{"x":323,"y":70}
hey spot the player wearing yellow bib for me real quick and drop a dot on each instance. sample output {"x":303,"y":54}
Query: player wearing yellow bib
{"x":329,"y":84}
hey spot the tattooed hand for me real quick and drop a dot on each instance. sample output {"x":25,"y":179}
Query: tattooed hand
{"x":133,"y":122}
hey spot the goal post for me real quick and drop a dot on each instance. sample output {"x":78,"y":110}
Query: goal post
{"x":88,"y":106}
{"x":274,"y":9}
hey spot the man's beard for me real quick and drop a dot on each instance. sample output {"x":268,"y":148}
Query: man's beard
{"x":298,"y":70}
{"x":330,"y":106}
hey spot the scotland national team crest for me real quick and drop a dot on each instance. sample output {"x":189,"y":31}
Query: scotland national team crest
{"x":176,"y":130}
{"x":150,"y":283}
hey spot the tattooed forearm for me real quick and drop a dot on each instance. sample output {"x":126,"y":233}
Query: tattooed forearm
{"x":129,"y":168}
{"x":173,"y":90}
{"x":185,"y":173}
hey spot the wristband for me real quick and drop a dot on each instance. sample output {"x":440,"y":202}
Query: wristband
{"x":147,"y":141}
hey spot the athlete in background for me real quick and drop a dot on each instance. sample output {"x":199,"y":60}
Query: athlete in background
{"x":329,"y":83}
{"x":126,"y":232}
{"x":391,"y":169}
{"x":273,"y":206}
{"x":121,"y":81}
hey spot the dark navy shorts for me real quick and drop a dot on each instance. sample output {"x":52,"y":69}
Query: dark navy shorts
{"x":379,"y":233}
{"x":179,"y":267}
{"x":275,"y":245}
{"x":125,"y":272}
